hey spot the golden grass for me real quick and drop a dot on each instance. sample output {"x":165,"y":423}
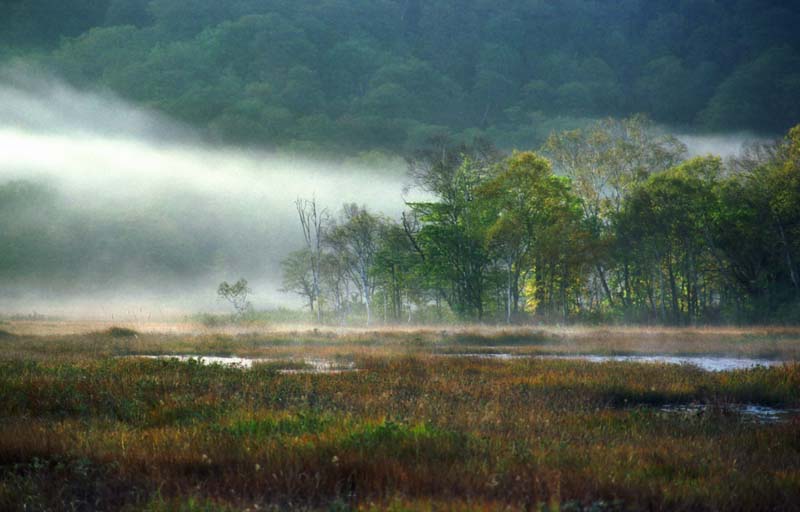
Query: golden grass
{"x":82,"y":428}
{"x":54,"y":339}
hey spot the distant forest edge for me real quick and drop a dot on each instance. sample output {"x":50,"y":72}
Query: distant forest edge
{"x":344,"y":76}
{"x":629,"y":231}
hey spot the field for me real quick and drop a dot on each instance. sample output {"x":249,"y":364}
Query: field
{"x":400,"y":419}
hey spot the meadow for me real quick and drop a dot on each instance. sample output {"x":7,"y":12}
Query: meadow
{"x":400,"y":419}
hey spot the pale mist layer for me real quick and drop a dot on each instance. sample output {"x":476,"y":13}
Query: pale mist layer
{"x":113,"y":162}
{"x":233,"y":210}
{"x":726,"y":146}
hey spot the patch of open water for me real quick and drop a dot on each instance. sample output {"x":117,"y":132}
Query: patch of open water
{"x":746,"y":412}
{"x":708,"y":363}
{"x":312,"y":365}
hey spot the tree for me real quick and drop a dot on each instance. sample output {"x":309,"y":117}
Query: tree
{"x":312,"y":222}
{"x":605,"y":162}
{"x":356,"y":237}
{"x":399,"y":271}
{"x":667,"y":225}
{"x":758,"y":228}
{"x":535,"y":215}
{"x":297,"y":276}
{"x":236,"y":294}
{"x":452,"y":231}
{"x":759,"y":95}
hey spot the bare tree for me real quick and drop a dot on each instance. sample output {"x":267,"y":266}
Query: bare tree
{"x":358,"y":238}
{"x":312,"y":222}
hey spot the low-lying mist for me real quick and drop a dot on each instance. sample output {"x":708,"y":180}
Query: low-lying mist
{"x":723,"y":145}
{"x":110,"y":209}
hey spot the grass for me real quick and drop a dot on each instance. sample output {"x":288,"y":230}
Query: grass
{"x":84,"y":429}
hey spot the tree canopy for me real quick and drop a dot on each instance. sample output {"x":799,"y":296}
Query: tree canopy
{"x":353,"y":75}
{"x":630,"y":231}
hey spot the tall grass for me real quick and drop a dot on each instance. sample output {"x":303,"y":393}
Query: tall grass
{"x":84,"y":429}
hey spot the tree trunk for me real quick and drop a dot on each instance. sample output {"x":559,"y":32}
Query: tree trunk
{"x":509,"y":295}
{"x":601,"y":272}
{"x":673,"y":288}
{"x":788,"y":255}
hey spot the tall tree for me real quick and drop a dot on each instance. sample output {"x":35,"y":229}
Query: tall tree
{"x":357,"y":236}
{"x":312,"y":223}
{"x":605,"y":162}
{"x":452,"y":230}
{"x":534,"y":213}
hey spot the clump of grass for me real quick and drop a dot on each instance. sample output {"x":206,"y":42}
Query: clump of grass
{"x":501,"y":338}
{"x":121,"y":332}
{"x":299,"y":424}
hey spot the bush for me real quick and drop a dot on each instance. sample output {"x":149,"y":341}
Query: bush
{"x":121,"y":332}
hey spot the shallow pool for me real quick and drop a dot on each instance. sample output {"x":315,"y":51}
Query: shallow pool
{"x":708,"y":363}
{"x":311,"y":365}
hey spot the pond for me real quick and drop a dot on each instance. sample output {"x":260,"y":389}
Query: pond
{"x":306,"y":365}
{"x":746,"y":412}
{"x":708,"y":363}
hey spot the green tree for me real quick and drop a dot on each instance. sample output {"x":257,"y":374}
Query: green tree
{"x":666,"y":226}
{"x":605,"y":162}
{"x":536,"y":215}
{"x":452,"y":233}
{"x":236,"y":294}
{"x":298,"y":278}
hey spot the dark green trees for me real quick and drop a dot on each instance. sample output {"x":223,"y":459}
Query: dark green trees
{"x":759,"y":231}
{"x":453,"y":225}
{"x":666,"y":228}
{"x":352,"y":75}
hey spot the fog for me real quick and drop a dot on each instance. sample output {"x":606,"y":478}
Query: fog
{"x":724,"y":145}
{"x":113,"y":162}
{"x":158,"y":216}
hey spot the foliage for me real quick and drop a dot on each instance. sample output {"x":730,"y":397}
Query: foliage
{"x":629,"y":230}
{"x":354,"y":75}
{"x":236,"y":294}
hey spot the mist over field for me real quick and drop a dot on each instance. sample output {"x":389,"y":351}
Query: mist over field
{"x":162,"y":216}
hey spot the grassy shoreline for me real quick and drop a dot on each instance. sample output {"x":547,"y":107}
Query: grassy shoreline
{"x":94,"y":339}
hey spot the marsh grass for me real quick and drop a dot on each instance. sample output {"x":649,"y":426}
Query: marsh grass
{"x":121,"y":332}
{"x":82,"y":428}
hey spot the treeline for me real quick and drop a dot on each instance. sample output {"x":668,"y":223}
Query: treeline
{"x":607,"y":223}
{"x":358,"y":75}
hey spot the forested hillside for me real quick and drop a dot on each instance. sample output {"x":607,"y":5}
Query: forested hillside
{"x":350,"y":75}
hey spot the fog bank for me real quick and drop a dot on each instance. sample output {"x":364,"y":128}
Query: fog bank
{"x":723,"y":145}
{"x":115,"y":163}
{"x":139,"y":217}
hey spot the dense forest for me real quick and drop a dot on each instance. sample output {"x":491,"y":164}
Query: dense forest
{"x":627,"y":230}
{"x":352,"y":75}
